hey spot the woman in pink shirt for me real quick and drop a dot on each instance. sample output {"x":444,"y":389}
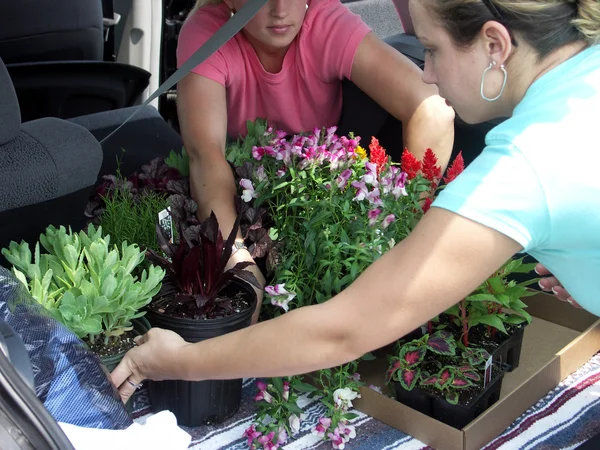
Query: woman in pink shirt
{"x":287,"y":66}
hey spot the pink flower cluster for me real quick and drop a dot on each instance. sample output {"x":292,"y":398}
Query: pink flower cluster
{"x":339,"y":436}
{"x":258,"y":440}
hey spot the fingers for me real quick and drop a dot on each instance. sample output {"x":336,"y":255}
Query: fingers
{"x":541,"y":270}
{"x":549,"y":283}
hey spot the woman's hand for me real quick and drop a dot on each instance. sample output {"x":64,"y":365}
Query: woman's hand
{"x":550,"y":283}
{"x":155,"y":358}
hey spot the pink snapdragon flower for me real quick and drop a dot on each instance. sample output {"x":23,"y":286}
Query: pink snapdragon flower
{"x":388,"y":220}
{"x":373,"y":215}
{"x":263,"y":395}
{"x":261,"y":175}
{"x":322,"y":426}
{"x":281,"y":172}
{"x":280,"y":296}
{"x":286,"y":390}
{"x":371,"y":176}
{"x":343,"y":398}
{"x":248,"y":193}
{"x":251,"y":434}
{"x":361,"y":190}
{"x":342,"y":180}
{"x":258,"y":153}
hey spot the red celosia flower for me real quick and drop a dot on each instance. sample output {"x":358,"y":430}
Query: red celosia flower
{"x":458,"y":165}
{"x":410,"y":164}
{"x":427,"y":204}
{"x":430,"y":170}
{"x":377,"y":154}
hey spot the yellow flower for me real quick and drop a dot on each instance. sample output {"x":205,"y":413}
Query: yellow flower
{"x":360,"y":152}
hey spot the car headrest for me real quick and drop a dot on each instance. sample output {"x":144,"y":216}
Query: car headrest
{"x":10,"y":114}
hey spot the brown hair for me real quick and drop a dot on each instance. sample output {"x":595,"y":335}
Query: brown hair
{"x":544,"y":24}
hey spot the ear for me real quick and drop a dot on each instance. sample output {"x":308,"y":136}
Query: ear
{"x":497,"y":41}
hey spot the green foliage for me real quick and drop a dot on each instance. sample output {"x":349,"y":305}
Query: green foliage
{"x":84,"y":282}
{"x":129,"y":218}
{"x":179,"y":161}
{"x":497,"y":301}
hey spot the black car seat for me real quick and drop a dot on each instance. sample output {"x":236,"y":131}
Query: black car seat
{"x":47,"y":170}
{"x":54,"y":54}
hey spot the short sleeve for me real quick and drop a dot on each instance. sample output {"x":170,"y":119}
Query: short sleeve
{"x":502,"y":191}
{"x":196,"y":30}
{"x":332,"y":38}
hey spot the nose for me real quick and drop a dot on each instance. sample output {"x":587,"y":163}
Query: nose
{"x":278,"y":8}
{"x":428,"y":76}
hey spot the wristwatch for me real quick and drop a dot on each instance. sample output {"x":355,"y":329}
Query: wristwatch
{"x":238,"y":244}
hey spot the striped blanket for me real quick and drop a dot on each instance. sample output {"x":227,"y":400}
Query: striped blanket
{"x":563,"y":419}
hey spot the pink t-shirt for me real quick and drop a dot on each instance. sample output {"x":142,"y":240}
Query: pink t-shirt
{"x":306,"y":93}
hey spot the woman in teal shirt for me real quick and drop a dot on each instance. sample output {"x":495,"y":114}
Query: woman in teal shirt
{"x":534,"y":188}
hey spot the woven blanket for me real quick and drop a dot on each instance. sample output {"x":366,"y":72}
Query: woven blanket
{"x":567,"y":416}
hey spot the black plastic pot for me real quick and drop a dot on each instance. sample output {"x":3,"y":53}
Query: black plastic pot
{"x":509,"y":351}
{"x":197,"y":403}
{"x":141,"y":326}
{"x":417,"y":399}
{"x":458,"y":416}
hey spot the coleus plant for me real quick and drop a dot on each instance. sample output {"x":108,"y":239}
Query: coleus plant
{"x":406,"y":367}
{"x":196,"y":266}
{"x":451,"y":379}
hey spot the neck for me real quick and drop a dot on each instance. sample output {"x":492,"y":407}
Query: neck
{"x":271,"y":58}
{"x":529,"y":69}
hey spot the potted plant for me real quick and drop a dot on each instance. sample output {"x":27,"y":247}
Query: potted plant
{"x":201,"y":298}
{"x":89,"y":286}
{"x":494,"y":316}
{"x":430,"y":377}
{"x":323,"y":209}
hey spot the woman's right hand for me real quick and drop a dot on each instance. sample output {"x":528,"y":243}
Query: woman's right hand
{"x":551,"y":284}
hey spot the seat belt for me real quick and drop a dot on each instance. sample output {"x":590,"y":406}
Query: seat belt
{"x":214,"y":43}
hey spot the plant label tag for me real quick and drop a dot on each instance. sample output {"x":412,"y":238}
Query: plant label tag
{"x":423,"y":330}
{"x":488,"y":372}
{"x":166,"y":223}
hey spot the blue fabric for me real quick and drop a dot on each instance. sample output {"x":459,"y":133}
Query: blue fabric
{"x":537,"y":179}
{"x":69,"y":380}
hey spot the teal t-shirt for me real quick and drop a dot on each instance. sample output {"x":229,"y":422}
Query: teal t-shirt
{"x":538,"y":179}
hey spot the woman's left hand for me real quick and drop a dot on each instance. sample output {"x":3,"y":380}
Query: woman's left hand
{"x":155,"y":358}
{"x":551,"y":283}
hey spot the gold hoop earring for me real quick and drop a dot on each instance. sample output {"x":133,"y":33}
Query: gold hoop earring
{"x":488,"y":68}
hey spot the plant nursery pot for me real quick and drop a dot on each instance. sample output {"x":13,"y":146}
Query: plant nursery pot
{"x":509,"y":351}
{"x":197,"y":403}
{"x":418,"y":399}
{"x":458,"y":416}
{"x":141,"y":326}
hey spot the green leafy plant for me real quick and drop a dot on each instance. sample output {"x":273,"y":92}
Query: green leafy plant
{"x":496,"y":303}
{"x":84,"y":282}
{"x":179,"y":161}
{"x":129,"y":218}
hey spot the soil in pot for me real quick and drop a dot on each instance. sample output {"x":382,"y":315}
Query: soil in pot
{"x":505,"y":349}
{"x":197,"y":403}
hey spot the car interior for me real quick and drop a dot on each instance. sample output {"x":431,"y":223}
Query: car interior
{"x":71,"y":72}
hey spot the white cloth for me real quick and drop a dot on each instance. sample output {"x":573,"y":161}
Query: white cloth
{"x":159,"y":432}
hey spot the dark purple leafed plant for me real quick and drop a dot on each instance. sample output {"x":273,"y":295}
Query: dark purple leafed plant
{"x":196,"y":265}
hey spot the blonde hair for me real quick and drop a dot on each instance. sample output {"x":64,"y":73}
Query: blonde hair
{"x":544,"y":24}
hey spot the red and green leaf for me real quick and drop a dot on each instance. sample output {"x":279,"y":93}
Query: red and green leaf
{"x":459,"y":382}
{"x":392,"y":370}
{"x":442,"y":345}
{"x":411,"y":356}
{"x":429,"y":381}
{"x":444,"y":377}
{"x":409,"y":378}
{"x":452,"y":398}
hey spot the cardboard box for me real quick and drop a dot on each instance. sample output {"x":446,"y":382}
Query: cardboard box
{"x":559,"y":340}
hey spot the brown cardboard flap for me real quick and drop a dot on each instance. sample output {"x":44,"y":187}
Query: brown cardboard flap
{"x":548,"y":307}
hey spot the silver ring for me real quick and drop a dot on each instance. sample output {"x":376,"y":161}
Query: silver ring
{"x":135,"y":385}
